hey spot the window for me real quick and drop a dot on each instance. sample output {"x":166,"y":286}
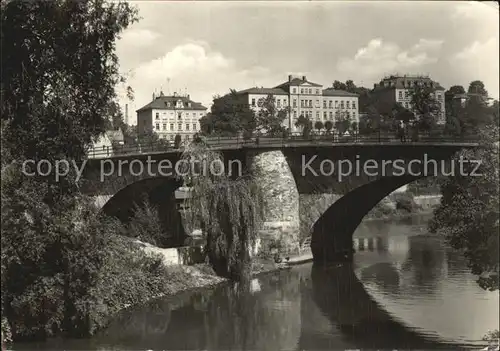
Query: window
{"x":310,"y":91}
{"x":179,"y":126}
{"x":342,"y":104}
{"x":353,"y":114}
{"x":317,"y":114}
{"x":164,"y":126}
{"x":180,"y":115}
{"x":354,"y":105}
{"x":157,"y":126}
{"x":331,"y":115}
{"x":168,"y":104}
{"x":310,"y":103}
{"x":348,"y":115}
{"x":317,"y":91}
{"x":407,"y":93}
{"x":171,"y":126}
{"x":301,"y":103}
{"x":187,"y":126}
{"x":336,"y":104}
{"x":194,"y":126}
{"x":337,"y":113}
{"x":294,"y":114}
{"x":317,"y":103}
{"x":347,"y":104}
{"x":253,"y":102}
{"x":400,"y":94}
{"x":330,"y":104}
{"x":302,"y":91}
{"x":278,"y":102}
{"x":324,"y":114}
{"x":294,"y":103}
{"x":157,"y":115}
{"x":324,"y":103}
{"x":293,"y":90}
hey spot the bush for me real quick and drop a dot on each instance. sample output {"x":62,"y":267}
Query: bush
{"x":146,"y":226}
{"x":64,"y":268}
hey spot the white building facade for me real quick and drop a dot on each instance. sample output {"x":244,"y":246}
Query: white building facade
{"x":300,"y":97}
{"x":171,"y":115}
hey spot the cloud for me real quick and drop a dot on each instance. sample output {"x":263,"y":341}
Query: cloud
{"x":194,"y":66}
{"x":475,"y":10}
{"x":137,"y":38}
{"x":378,"y":58}
{"x":479,"y":60}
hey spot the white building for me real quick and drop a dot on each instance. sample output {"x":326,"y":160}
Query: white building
{"x":301,"y":97}
{"x":171,"y":115}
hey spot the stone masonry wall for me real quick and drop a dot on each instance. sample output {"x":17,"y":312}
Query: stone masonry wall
{"x":281,"y":200}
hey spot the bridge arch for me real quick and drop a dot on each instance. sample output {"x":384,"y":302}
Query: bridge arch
{"x":332,"y":233}
{"x":160,"y":192}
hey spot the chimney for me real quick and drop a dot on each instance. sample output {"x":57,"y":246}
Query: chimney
{"x":126,"y":114}
{"x":290,"y":77}
{"x":304,"y":78}
{"x":153,"y":96}
{"x":188,"y":97}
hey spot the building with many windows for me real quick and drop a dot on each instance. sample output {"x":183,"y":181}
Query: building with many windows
{"x":171,"y":115}
{"x":302,"y":97}
{"x":397,"y":89}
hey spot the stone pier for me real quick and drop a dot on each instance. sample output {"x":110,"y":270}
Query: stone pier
{"x":281,"y":201}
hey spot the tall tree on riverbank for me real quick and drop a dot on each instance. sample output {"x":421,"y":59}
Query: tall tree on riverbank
{"x":59,"y":72}
{"x":228,"y":211}
{"x":469,"y":212}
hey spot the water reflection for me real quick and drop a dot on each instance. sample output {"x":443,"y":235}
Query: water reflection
{"x":405,"y":290}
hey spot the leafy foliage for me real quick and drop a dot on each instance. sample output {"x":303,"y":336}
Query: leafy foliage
{"x":270,"y":118}
{"x":59,"y":71}
{"x":227,"y":210}
{"x":426,"y":107}
{"x":305,"y":124}
{"x":343,"y":123}
{"x":469,"y":212}
{"x":328,"y":126}
{"x":228,"y":116}
{"x":145,"y":225}
{"x":318,"y":125}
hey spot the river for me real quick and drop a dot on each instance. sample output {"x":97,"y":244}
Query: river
{"x":405,"y":290}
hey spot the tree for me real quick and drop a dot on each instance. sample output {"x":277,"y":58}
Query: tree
{"x":338,"y":85}
{"x":477,"y":87}
{"x":177,"y":141}
{"x":269,"y":119}
{"x":318,"y":125}
{"x":328,"y":126}
{"x":401,"y":113}
{"x":468,"y":216}
{"x":426,"y":107}
{"x":228,"y":212}
{"x":61,"y":80}
{"x":305,"y":124}
{"x":343,"y":123}
{"x":59,"y":72}
{"x":228,"y":116}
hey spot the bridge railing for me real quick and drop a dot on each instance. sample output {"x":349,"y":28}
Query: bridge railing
{"x":293,"y":138}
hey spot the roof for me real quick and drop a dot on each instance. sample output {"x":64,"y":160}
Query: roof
{"x":266,"y":91}
{"x":403,"y":82}
{"x":160,"y":103}
{"x":115,"y":135}
{"x":297,"y":82}
{"x":336,"y":92}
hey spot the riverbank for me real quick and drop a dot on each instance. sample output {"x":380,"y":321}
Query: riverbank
{"x":398,"y":216}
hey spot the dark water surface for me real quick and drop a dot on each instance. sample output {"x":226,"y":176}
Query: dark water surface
{"x":405,"y":290}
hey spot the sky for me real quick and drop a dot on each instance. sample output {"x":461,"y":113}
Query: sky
{"x":206,"y":48}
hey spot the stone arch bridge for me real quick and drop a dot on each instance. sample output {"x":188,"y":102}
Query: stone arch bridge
{"x":291,"y":175}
